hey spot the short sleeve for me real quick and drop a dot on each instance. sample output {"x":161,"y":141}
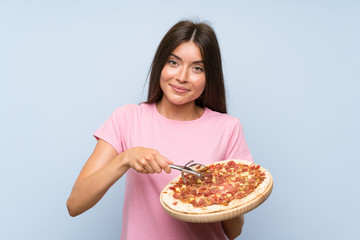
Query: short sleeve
{"x":112,"y":131}
{"x":237,"y":147}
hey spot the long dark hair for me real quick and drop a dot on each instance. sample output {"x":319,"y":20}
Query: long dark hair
{"x":204,"y":37}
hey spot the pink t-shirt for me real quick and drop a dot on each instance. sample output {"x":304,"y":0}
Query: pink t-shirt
{"x":212,"y":137}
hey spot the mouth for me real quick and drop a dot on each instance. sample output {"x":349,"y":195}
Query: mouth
{"x":179,"y":89}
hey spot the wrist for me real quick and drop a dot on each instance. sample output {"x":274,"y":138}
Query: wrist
{"x":122,"y":161}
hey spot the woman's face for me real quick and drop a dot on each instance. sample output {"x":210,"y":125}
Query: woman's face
{"x":182,"y":79}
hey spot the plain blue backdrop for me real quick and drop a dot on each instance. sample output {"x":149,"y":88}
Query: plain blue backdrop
{"x":292,"y":71}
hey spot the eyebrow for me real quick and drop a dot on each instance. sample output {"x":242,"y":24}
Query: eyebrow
{"x":179,"y":58}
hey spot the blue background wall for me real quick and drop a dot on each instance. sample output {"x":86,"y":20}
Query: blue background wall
{"x":292,"y":72}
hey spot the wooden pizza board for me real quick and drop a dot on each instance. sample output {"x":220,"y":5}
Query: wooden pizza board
{"x":223,"y":215}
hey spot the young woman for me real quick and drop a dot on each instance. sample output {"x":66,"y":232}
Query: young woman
{"x":184,"y":118}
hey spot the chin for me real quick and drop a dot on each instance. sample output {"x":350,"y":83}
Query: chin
{"x":180,"y":102}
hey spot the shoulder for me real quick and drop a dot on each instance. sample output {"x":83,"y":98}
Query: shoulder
{"x":132,"y":112}
{"x":133,"y":108}
{"x":222,"y":118}
{"x":127,"y":108}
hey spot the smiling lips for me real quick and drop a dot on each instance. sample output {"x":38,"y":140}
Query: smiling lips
{"x":179,"y":89}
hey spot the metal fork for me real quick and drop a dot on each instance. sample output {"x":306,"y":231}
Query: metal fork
{"x":187,"y":169}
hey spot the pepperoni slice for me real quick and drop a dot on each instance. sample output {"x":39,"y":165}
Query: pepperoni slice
{"x":212,"y":190}
{"x":201,"y":202}
{"x":207,"y":179}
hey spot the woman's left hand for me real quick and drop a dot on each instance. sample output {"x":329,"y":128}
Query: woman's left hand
{"x":233,"y":227}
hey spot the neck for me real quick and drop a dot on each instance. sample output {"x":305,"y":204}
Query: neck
{"x":184,"y":112}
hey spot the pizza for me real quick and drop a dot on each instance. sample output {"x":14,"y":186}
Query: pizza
{"x":223,"y":186}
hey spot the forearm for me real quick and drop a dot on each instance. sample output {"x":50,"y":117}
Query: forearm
{"x":88,"y":191}
{"x":233,"y":227}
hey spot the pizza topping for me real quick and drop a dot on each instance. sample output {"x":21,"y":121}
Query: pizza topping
{"x":220,"y":184}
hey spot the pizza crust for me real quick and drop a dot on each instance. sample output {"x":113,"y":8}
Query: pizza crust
{"x":167,"y":195}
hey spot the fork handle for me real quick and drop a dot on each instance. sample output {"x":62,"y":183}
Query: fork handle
{"x":181,"y":168}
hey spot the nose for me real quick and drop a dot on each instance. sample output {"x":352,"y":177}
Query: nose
{"x":182,"y":75}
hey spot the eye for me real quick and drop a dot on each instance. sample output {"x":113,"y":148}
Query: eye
{"x":198,"y":69}
{"x":172,"y":62}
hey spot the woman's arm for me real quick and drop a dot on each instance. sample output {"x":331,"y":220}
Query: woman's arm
{"x":233,"y":227}
{"x":104,"y":167}
{"x":100,"y":172}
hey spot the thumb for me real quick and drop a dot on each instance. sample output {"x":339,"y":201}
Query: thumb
{"x":169,"y":161}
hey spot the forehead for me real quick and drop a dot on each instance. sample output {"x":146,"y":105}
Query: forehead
{"x":188,"y":51}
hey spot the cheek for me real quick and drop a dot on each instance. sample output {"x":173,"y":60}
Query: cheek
{"x":163,"y":75}
{"x":200,"y":84}
{"x":168,"y":73}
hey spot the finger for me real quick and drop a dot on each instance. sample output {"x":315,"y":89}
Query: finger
{"x":138,"y":168}
{"x":169,"y":161}
{"x":145,"y":164}
{"x":163,"y":162}
{"x":155,"y":166}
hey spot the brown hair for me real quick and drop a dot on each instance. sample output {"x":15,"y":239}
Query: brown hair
{"x":204,"y":37}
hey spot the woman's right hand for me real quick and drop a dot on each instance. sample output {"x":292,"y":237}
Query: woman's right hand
{"x":104,"y":167}
{"x":146,"y":160}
